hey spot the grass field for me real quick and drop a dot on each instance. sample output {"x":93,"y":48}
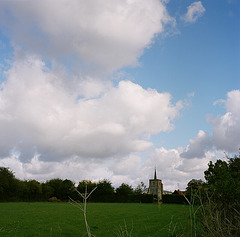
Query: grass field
{"x":63,"y":219}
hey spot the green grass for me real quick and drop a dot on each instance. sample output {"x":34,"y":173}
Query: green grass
{"x":63,"y":219}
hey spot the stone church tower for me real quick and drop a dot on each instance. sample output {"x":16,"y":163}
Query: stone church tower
{"x":156,"y":187}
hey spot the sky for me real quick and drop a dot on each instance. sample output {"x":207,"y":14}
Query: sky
{"x":112,"y":89}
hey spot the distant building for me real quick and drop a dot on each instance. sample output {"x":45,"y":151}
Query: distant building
{"x":165,"y":192}
{"x":156,"y":187}
{"x":179,"y":192}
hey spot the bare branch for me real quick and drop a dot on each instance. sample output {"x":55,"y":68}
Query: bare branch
{"x":91,"y":192}
{"x":83,"y":209}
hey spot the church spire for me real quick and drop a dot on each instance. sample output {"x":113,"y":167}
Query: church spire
{"x":155,"y":173}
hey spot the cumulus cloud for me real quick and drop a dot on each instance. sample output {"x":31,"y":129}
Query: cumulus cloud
{"x":174,"y":166}
{"x":195,"y":10}
{"x":69,"y":121}
{"x":103,"y":35}
{"x":198,"y":146}
{"x":226,"y":129}
{"x":38,"y":116}
{"x":54,"y":118}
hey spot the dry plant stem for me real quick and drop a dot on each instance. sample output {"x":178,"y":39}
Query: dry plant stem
{"x":85,"y":197}
{"x":192,"y":216}
{"x":190,"y":211}
{"x":123,"y":231}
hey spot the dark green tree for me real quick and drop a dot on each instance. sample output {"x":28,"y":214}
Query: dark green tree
{"x":61,"y":189}
{"x":104,"y":191}
{"x":82,"y":185}
{"x":47,"y":191}
{"x":223,"y":180}
{"x":123,"y":193}
{"x":194,"y":186}
{"x":8,"y":185}
{"x":33,"y":190}
{"x":68,"y":189}
{"x":124,"y":189}
{"x":141,"y":188}
{"x":221,"y":212}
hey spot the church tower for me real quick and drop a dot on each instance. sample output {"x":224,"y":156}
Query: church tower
{"x":156,"y":187}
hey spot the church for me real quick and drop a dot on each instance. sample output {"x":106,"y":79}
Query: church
{"x":156,"y":187}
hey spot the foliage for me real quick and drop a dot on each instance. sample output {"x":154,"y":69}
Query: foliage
{"x":223,"y":203}
{"x":196,"y":188}
{"x":33,"y":190}
{"x":123,"y":192}
{"x":12,"y":189}
{"x":8,"y":185}
{"x":194,"y":185}
{"x":61,"y":189}
{"x":223,"y":181}
{"x":141,"y":188}
{"x":137,"y":198}
{"x":124,"y":189}
{"x":174,"y":198}
{"x":82,"y":184}
{"x":219,"y":221}
{"x":104,"y":191}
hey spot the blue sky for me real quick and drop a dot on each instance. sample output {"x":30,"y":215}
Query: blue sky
{"x":93,"y":91}
{"x":203,"y":58}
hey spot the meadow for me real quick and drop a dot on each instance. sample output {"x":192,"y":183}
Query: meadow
{"x":105,"y":219}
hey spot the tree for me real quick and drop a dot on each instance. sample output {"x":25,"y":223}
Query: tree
{"x":68,"y":186}
{"x":123,"y":191}
{"x":194,"y":186}
{"x":221,"y":209}
{"x":223,"y":180}
{"x":59,"y":188}
{"x":104,"y":191}
{"x":47,"y":191}
{"x":33,"y":190}
{"x":8,"y":185}
{"x":141,"y":188}
{"x":82,"y":186}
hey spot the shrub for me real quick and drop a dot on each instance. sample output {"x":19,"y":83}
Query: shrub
{"x":174,"y":198}
{"x":54,"y":199}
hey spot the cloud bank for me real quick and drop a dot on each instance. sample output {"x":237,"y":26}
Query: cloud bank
{"x":39,"y":117}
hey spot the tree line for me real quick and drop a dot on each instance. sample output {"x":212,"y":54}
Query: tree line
{"x":222,"y":185}
{"x":13,"y":189}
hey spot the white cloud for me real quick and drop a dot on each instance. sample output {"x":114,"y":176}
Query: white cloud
{"x":74,"y":125}
{"x":173,"y":166}
{"x":226,"y":129}
{"x":39,"y":116}
{"x":195,"y":10}
{"x":103,"y":35}
{"x":64,"y":121}
{"x":198,"y":146}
